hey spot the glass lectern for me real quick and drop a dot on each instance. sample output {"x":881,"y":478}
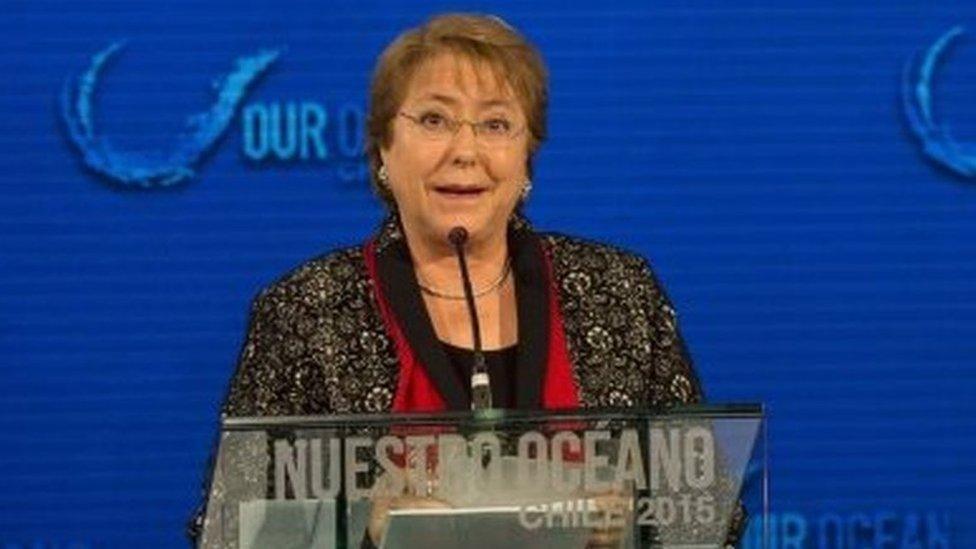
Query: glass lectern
{"x":685,"y":477}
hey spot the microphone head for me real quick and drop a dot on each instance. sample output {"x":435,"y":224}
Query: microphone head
{"x":458,"y":236}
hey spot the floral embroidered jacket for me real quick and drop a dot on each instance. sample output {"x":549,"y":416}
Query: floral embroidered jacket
{"x":317,"y":343}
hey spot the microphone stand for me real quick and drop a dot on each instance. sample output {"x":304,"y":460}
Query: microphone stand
{"x":481,"y":405}
{"x":480,"y":380}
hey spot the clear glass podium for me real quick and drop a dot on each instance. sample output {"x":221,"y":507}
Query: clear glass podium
{"x":686,"y":477}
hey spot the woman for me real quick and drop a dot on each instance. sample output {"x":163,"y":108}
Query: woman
{"x":456,"y":111}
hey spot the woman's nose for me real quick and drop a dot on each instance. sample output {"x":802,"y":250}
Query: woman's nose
{"x":464,"y":144}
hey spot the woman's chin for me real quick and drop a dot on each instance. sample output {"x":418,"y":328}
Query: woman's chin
{"x":477,"y":227}
{"x":481,"y":225}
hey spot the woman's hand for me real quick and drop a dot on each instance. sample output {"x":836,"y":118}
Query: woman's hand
{"x":379,"y":517}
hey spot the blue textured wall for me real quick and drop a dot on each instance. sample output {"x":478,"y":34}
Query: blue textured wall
{"x":757,"y":152}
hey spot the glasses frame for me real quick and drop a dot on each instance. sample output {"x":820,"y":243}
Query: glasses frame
{"x":455,"y":125}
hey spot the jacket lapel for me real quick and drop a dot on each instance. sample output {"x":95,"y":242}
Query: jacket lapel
{"x":531,"y":294}
{"x":400,"y":288}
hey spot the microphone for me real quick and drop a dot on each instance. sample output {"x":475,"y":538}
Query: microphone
{"x":480,"y":381}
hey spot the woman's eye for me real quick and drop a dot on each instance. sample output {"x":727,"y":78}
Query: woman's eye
{"x":433,"y":120}
{"x":497,"y":125}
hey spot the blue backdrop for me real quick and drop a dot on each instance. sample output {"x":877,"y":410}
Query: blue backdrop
{"x":760,"y":153}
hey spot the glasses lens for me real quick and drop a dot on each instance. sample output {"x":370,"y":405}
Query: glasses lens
{"x":435,"y":124}
{"x":439,"y":126}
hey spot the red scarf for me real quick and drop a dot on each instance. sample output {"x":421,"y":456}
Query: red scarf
{"x":415,"y":391}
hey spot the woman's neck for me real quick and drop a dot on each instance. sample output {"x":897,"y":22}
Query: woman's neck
{"x":436,"y":265}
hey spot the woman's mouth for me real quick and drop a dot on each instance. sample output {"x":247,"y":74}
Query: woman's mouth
{"x":459,"y":191}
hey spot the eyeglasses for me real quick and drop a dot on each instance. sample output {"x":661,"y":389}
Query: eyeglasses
{"x":494,"y":131}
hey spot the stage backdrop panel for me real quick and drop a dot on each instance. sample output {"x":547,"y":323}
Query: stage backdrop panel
{"x":162,"y":161}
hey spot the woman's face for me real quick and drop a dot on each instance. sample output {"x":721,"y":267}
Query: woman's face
{"x":440,"y":180}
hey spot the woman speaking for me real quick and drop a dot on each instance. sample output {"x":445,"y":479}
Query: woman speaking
{"x":457,"y":109}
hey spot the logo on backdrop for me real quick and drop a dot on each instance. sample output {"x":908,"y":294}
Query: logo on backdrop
{"x":292,"y":132}
{"x":937,"y":143}
{"x":155,"y":169}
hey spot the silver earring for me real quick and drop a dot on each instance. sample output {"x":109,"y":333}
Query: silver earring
{"x":383,"y":176}
{"x":526,"y":189}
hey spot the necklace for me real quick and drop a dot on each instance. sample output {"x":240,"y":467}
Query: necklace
{"x":487,"y":290}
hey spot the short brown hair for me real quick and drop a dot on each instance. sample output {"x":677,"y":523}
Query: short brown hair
{"x":482,"y":39}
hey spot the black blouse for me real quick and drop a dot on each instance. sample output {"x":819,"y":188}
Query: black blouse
{"x":502,"y":370}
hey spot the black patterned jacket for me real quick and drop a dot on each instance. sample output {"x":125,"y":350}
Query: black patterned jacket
{"x":317,"y":344}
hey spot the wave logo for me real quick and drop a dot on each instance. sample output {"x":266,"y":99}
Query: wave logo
{"x":937,"y":143}
{"x":155,"y":169}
